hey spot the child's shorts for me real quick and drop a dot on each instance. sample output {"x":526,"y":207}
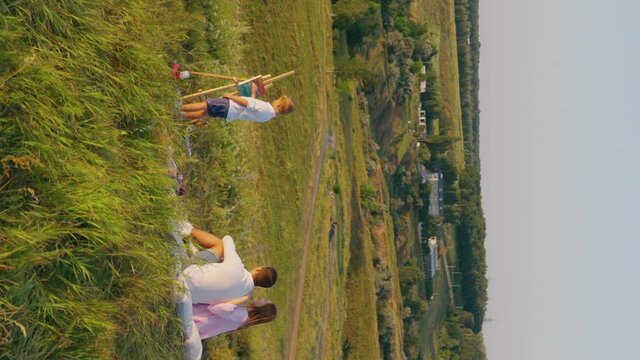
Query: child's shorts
{"x":206,"y":256}
{"x":218,"y":107}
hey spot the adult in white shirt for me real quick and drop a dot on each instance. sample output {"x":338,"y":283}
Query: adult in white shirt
{"x":225,"y":277}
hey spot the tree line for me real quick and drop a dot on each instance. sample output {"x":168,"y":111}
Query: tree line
{"x":468,"y":43}
{"x":471,"y":228}
{"x":457,"y":341}
{"x":471,"y":233}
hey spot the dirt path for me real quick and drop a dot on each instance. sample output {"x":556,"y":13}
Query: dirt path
{"x":325,"y":304}
{"x":325,"y":109}
{"x":308,"y":219}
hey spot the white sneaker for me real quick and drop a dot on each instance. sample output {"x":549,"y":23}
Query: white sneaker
{"x":183,"y":227}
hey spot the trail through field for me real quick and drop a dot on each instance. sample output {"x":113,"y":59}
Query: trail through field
{"x":308,"y":219}
{"x":325,"y":81}
{"x":328,"y":275}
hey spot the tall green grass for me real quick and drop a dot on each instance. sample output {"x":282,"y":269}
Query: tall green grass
{"x":85,"y":270}
{"x":217,"y":167}
{"x":217,"y":172}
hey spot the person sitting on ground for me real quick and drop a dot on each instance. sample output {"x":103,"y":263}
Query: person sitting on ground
{"x":234,"y":107}
{"x":213,"y":320}
{"x":224,"y":278}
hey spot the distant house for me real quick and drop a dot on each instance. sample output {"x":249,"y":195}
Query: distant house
{"x":422,"y":121}
{"x":429,"y":253}
{"x":425,"y":127}
{"x":434,"y":265}
{"x":424,"y":174}
{"x":436,"y":196}
{"x":423,"y":86}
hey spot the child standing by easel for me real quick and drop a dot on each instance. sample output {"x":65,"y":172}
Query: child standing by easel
{"x":234,"y":107}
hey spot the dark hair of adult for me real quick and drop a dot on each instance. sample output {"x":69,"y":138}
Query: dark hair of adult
{"x":260,"y":312}
{"x":266,"y":277}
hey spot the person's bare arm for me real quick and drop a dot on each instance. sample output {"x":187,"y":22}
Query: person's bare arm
{"x":240,"y":300}
{"x":237,"y":99}
{"x":209,"y":241}
{"x":254,"y":88}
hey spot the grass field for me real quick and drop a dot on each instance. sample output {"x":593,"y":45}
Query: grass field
{"x":390,"y":253}
{"x":435,"y":317}
{"x":281,"y":156}
{"x":360,"y":328}
{"x":85,"y":202}
{"x":407,"y":122}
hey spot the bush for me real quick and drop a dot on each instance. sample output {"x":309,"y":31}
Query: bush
{"x":467,"y":319}
{"x":410,"y":274}
{"x":348,"y":12}
{"x":418,"y":306}
{"x":357,"y":17}
{"x":368,"y":199}
{"x":383,"y":282}
{"x":412,"y":340}
{"x":400,"y":54}
{"x":423,"y":50}
{"x":356,"y":68}
{"x":385,"y":331}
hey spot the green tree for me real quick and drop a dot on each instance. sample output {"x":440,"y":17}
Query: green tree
{"x":466,"y":319}
{"x":410,"y":274}
{"x":347,"y":12}
{"x":357,"y":68}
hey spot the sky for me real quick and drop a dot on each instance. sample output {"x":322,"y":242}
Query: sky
{"x":559,"y":124}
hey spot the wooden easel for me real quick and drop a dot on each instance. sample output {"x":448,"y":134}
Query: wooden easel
{"x":268,"y":82}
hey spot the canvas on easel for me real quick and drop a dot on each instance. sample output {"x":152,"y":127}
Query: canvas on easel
{"x":262,"y":83}
{"x":244,"y":87}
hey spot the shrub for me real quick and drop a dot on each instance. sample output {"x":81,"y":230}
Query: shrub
{"x":383,"y":282}
{"x":410,"y":274}
{"x":357,"y":17}
{"x":356,"y":67}
{"x":368,"y":199}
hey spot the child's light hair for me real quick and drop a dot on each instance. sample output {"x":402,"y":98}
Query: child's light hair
{"x":287,"y":104}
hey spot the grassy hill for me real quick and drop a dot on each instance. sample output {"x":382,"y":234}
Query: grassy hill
{"x":85,"y":268}
{"x":87,"y":102}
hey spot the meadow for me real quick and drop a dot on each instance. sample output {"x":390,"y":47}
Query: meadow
{"x":283,"y":156}
{"x":361,"y":328}
{"x":87,"y":118}
{"x":85,"y":202}
{"x":86,"y":123}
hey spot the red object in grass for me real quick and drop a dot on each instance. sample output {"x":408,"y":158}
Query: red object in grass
{"x":175,"y":70}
